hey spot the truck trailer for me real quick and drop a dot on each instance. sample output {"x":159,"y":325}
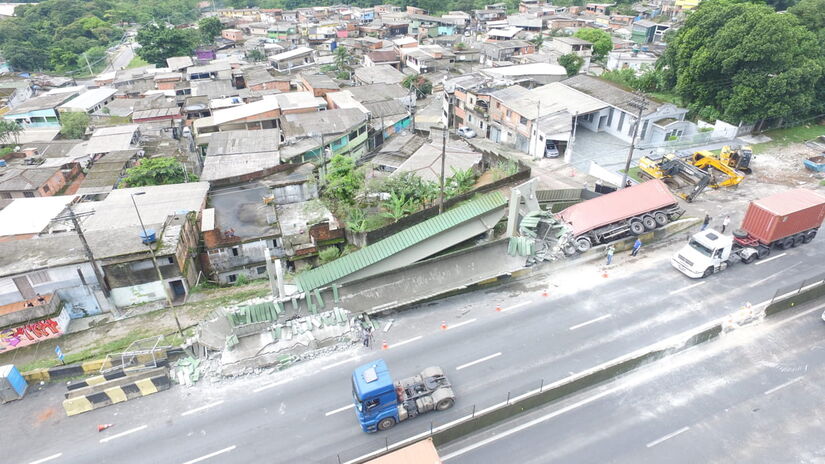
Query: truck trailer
{"x":784,"y":220}
{"x":380,"y":403}
{"x":629,"y":211}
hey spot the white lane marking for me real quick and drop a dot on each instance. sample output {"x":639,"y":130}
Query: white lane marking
{"x":206,"y":406}
{"x":667,"y":437}
{"x":122,"y":434}
{"x":270,"y":385}
{"x":591,"y":321}
{"x":658,"y":345}
{"x":763,"y":261}
{"x":396,"y":345}
{"x":533,"y":422}
{"x":761,"y":281}
{"x":688,"y":287}
{"x":473,"y":363}
{"x":519,"y":305}
{"x":336,"y":411}
{"x":779,"y":387}
{"x":330,"y":366}
{"x":54,"y":456}
{"x":468,"y":321}
{"x":210,"y":455}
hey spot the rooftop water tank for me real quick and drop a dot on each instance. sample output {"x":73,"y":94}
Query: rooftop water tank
{"x":148,"y":236}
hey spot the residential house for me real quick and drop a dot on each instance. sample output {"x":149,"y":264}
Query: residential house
{"x":168,"y":80}
{"x":155,"y":108}
{"x":90,"y":101}
{"x":505,"y":33}
{"x":233,"y":156}
{"x":339,"y":131}
{"x":382,"y":57}
{"x":634,"y":59}
{"x":503,"y":51}
{"x":39,"y":112}
{"x":380,"y":74}
{"x":576,"y":46}
{"x":179,"y":63}
{"x":258,"y":78}
{"x":214,"y":70}
{"x":107,"y":172}
{"x":527,"y":74}
{"x":598,"y":8}
{"x":306,"y":228}
{"x":318,"y":84}
{"x":21,"y":181}
{"x":14,"y":90}
{"x":426,"y":162}
{"x":645,"y":31}
{"x":300,"y":57}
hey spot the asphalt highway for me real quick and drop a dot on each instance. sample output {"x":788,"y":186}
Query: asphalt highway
{"x":304,"y":414}
{"x":752,"y":396}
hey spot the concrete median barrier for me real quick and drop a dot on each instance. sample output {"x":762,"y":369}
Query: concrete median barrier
{"x":118,"y":390}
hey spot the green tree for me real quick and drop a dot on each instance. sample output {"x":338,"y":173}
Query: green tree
{"x":537,"y":41}
{"x":356,"y":220}
{"x":344,"y":181}
{"x":159,"y":43}
{"x":73,"y":125}
{"x":744,"y":62}
{"x":811,"y":14}
{"x":572,"y":63}
{"x":602,"y":43}
{"x":423,"y":86}
{"x":256,"y":55}
{"x":158,"y":171}
{"x":461,"y":181}
{"x":397,"y":207}
{"x":209,"y":28}
{"x":9,"y":131}
{"x":329,"y":254}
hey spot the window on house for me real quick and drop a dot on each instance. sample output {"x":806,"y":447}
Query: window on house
{"x":28,"y":194}
{"x":610,"y":118}
{"x":508,"y":113}
{"x":498,"y":105}
{"x":522,"y":120}
{"x":5,"y":195}
{"x":46,"y":188}
{"x":235,"y":251}
{"x":621,"y":121}
{"x":171,"y":259}
{"x":232,"y":278}
{"x":261,"y":270}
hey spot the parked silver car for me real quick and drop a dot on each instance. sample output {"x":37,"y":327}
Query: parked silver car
{"x":466,"y":132}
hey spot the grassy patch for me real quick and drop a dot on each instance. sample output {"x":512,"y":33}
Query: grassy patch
{"x":136,"y":62}
{"x":789,"y":135}
{"x":665,"y":97}
{"x":96,"y":351}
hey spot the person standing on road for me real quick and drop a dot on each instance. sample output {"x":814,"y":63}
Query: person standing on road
{"x":636,"y":245}
{"x":705,"y":222}
{"x":610,"y":251}
{"x":725,"y":223}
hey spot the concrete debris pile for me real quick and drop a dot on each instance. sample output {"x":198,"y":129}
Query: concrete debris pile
{"x":187,"y":371}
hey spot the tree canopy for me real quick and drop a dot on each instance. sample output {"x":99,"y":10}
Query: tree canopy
{"x":602,"y":43}
{"x":572,"y":63}
{"x":744,"y":62}
{"x":53,"y":35}
{"x":158,"y":171}
{"x":73,"y":125}
{"x":209,"y":28}
{"x":157,"y":43}
{"x":9,"y":131}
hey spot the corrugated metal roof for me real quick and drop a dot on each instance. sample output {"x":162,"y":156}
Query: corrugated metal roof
{"x":383,"y":249}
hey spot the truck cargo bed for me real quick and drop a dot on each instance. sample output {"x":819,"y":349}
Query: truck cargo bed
{"x":784,"y":214}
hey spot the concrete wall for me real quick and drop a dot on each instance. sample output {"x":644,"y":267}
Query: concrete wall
{"x":58,"y":278}
{"x":137,"y":294}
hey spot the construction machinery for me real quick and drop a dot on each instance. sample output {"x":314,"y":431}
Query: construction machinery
{"x":708,"y":162}
{"x":677,"y":174}
{"x":738,"y":158}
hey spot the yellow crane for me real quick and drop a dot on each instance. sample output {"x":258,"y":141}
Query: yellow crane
{"x":709,"y":163}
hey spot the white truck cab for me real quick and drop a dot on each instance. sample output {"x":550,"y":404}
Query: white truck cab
{"x":707,"y":252}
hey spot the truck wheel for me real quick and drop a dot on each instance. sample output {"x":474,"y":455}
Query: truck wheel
{"x":786,"y":243}
{"x":798,"y":239}
{"x":636,"y":227}
{"x":750,"y":258}
{"x":583,"y":244}
{"x":446,"y":403}
{"x":649,"y":222}
{"x":569,"y":249}
{"x":707,"y":272}
{"x":763,"y":251}
{"x":809,"y":235}
{"x":739,"y":233}
{"x":660,"y":218}
{"x":386,"y":423}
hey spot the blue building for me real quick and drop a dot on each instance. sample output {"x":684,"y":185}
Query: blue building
{"x":39,"y":112}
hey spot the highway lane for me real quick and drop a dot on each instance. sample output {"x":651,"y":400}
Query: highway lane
{"x":753,"y":396}
{"x":575,"y":328}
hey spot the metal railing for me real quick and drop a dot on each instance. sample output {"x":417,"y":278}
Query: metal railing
{"x":790,"y":291}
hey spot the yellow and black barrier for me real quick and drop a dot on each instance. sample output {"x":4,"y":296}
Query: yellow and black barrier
{"x":116,"y":391}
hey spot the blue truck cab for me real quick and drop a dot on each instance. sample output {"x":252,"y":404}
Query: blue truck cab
{"x":374,"y":395}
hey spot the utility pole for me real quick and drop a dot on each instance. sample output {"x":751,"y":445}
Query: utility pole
{"x":639,"y":103}
{"x":443,"y":162}
{"x":87,"y":64}
{"x":536,"y":154}
{"x":568,"y":153}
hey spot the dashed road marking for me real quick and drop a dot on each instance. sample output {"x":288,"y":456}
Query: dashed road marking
{"x":210,"y":455}
{"x":123,"y":434}
{"x":763,"y":261}
{"x":396,"y":345}
{"x":270,"y":385}
{"x":473,"y":363}
{"x":468,"y":321}
{"x":336,"y":411}
{"x":54,"y":456}
{"x":515,"y":306}
{"x":206,"y":406}
{"x":688,"y":287}
{"x":667,"y":437}
{"x":786,"y":384}
{"x":345,"y":361}
{"x":591,"y":321}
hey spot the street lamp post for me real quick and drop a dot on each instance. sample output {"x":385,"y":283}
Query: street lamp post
{"x":145,"y":240}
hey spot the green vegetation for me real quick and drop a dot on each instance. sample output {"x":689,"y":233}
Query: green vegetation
{"x":9,"y":130}
{"x":157,"y":43}
{"x":423,"y":86}
{"x":54,"y":35}
{"x":344,"y":181}
{"x":93,"y":352}
{"x":209,"y":28}
{"x":648,"y":81}
{"x":73,"y":125}
{"x":158,"y":171}
{"x":602,"y":43}
{"x":329,"y":254}
{"x":136,"y":62}
{"x":572,"y":63}
{"x":342,"y":63}
{"x":741,"y":61}
{"x":256,"y":56}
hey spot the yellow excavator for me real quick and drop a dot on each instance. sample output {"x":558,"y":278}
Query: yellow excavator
{"x":696,"y":172}
{"x":738,"y":158}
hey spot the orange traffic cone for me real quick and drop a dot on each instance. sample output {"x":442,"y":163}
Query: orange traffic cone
{"x":572,"y":172}
{"x":102,"y":427}
{"x":605,"y":274}
{"x":443,"y":325}
{"x":498,"y":308}
{"x":545,"y":294}
{"x":384,"y":345}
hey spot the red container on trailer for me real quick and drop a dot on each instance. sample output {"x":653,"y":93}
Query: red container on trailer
{"x":779,"y":216}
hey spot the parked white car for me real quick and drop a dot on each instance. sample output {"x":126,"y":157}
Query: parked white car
{"x":550,"y":150}
{"x":466,"y":132}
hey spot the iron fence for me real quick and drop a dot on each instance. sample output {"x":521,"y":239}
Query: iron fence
{"x":789,"y":291}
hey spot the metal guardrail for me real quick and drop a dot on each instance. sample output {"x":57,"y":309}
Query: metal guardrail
{"x":789,"y":291}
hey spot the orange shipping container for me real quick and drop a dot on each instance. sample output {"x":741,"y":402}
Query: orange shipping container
{"x":784,"y":214}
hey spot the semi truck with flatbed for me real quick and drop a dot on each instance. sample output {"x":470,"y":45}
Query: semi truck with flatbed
{"x":630,"y":211}
{"x":380,"y":402}
{"x":784,"y":220}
